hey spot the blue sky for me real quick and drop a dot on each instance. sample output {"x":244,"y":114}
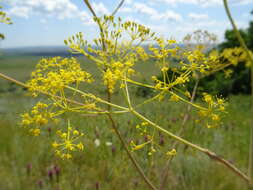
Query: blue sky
{"x":49,"y":22}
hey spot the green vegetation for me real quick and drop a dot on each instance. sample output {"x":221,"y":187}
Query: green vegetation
{"x":27,"y":162}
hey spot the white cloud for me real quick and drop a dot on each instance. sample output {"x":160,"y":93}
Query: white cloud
{"x":128,"y":1}
{"x":175,"y":2}
{"x":155,"y":15}
{"x":43,"y":21}
{"x":100,"y":8}
{"x":213,"y":26}
{"x":203,"y":3}
{"x":59,"y":8}
{"x":241,"y":2}
{"x":20,"y":11}
{"x":159,"y":29}
{"x":86,"y":18}
{"x":126,"y":10}
{"x":134,"y":19}
{"x":143,"y":8}
{"x":170,"y":15}
{"x":196,"y":16}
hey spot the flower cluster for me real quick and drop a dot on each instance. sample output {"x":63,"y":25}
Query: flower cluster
{"x":116,"y":51}
{"x":115,"y":72}
{"x":53,"y":74}
{"x":39,"y":116}
{"x":114,"y":56}
{"x":216,"y":106}
{"x":68,"y":142}
{"x":234,"y":55}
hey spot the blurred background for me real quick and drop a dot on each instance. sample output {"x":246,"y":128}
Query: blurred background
{"x":39,"y":29}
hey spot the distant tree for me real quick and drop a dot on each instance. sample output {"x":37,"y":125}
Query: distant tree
{"x":231,"y":40}
{"x":239,"y":82}
{"x":250,"y":34}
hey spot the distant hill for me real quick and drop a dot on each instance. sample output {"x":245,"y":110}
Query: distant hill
{"x":49,"y":51}
{"x":37,"y":51}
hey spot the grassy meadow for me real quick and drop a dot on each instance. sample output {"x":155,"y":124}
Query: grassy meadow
{"x":28,"y":163}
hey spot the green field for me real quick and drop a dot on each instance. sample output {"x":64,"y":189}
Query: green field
{"x":26,"y":161}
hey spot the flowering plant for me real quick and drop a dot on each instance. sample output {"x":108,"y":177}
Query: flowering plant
{"x":116,"y":52}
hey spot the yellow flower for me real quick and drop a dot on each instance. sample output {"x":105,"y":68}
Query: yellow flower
{"x":172,"y":152}
{"x":53,"y":74}
{"x":174,"y":98}
{"x":80,"y":146}
{"x":55,"y":144}
{"x":172,"y":42}
{"x":35,"y":132}
{"x":208,"y":98}
{"x":164,"y":69}
{"x":215,"y":117}
{"x":67,"y":142}
{"x":75,"y":132}
{"x":187,"y":94}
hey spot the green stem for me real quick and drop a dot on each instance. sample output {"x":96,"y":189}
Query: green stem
{"x":243,"y":44}
{"x":135,"y":163}
{"x":118,"y":7}
{"x":98,"y":22}
{"x":209,"y":153}
{"x":185,"y":119}
{"x":109,"y":104}
{"x":97,"y":98}
{"x":40,"y":91}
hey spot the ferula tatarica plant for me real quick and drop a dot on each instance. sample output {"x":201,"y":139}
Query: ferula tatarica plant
{"x":124,"y":48}
{"x":115,"y":52}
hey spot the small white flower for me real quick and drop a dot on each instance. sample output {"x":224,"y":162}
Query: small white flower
{"x":108,"y":143}
{"x":97,"y":142}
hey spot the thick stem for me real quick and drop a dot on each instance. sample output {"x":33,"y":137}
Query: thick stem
{"x":250,"y":56}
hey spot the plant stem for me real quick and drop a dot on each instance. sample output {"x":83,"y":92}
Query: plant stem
{"x":42,"y":92}
{"x":98,"y":99}
{"x":185,"y":119}
{"x":87,"y":3}
{"x":243,"y":44}
{"x":136,"y":165}
{"x":109,"y":101}
{"x":209,"y":153}
{"x":110,"y":118}
{"x":118,"y":7}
